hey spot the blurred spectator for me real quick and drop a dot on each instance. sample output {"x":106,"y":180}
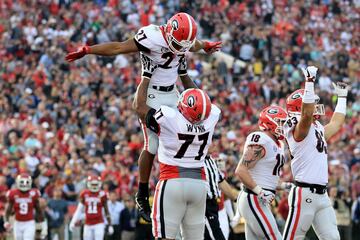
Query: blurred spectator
{"x":60,"y":121}
{"x":128,"y":218}
{"x":115,"y":208}
{"x":56,"y":212}
{"x":342,"y":207}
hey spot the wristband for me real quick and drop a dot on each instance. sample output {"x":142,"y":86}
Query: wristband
{"x":87,"y":49}
{"x":309,"y":94}
{"x":341,"y":105}
{"x":257,"y":190}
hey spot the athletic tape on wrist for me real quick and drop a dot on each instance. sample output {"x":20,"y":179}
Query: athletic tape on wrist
{"x":309,"y":94}
{"x":341,"y":105}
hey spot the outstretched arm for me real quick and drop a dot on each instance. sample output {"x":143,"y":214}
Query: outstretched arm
{"x":338,"y":118}
{"x":104,"y":49}
{"x":308,"y":105}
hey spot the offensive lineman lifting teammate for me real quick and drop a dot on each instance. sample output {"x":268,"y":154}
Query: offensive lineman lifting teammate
{"x":259,"y":170}
{"x":308,"y":200}
{"x":165,"y":45}
{"x":24,"y":199}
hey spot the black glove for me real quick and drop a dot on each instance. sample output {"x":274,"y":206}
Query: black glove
{"x":151,"y":122}
{"x":182,"y":69}
{"x":148,"y":65}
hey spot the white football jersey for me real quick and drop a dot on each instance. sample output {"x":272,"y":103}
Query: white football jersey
{"x":151,"y":42}
{"x":309,"y":157}
{"x":267,"y":170}
{"x":182,"y":143}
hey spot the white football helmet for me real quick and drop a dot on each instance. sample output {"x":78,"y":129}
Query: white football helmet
{"x":93,"y":183}
{"x":23,"y":182}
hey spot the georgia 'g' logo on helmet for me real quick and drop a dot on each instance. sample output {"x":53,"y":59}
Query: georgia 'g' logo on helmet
{"x":191,"y":101}
{"x":272,"y":119}
{"x":296,"y":96}
{"x":194,"y":105}
{"x":273,"y":111}
{"x":175,"y":25}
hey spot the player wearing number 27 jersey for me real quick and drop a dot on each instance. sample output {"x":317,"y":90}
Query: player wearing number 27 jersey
{"x":309,"y":202}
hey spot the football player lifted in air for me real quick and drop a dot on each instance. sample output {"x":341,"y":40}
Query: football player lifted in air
{"x":166,"y":45}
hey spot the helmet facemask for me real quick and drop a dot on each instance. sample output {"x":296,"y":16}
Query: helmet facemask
{"x":176,"y":46}
{"x":94,"y":185}
{"x":23,"y":184}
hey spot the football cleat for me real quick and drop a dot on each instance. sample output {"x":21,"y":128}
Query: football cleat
{"x":143,"y":205}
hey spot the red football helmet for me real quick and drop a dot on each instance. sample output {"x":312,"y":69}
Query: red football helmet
{"x":24,"y":182}
{"x":180,"y":32}
{"x":93,"y":183}
{"x":272,"y":119}
{"x":294,"y":102}
{"x":194,"y":105}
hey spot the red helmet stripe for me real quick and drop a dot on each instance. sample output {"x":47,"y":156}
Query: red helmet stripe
{"x":190,"y":27}
{"x":204,"y":105}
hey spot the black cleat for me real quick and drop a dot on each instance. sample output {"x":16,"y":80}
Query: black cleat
{"x":144,"y":207}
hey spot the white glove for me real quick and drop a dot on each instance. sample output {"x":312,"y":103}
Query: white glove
{"x":72,"y":227}
{"x":148,"y":66}
{"x":310,"y":73}
{"x":266,"y":197}
{"x":44,"y":230}
{"x":7,"y":226}
{"x":236,"y":219}
{"x":110,"y":230}
{"x":341,"y":89}
{"x":286,"y":186}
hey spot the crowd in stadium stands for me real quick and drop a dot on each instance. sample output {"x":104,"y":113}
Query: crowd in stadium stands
{"x":62,"y":121}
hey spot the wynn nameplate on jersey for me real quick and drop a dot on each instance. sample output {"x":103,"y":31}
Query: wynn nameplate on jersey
{"x":195,"y":128}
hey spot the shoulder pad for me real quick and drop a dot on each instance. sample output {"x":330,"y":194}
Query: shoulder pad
{"x":215,"y":110}
{"x":257,"y":138}
{"x":168,"y":112}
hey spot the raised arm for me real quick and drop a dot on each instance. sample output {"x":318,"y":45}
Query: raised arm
{"x":308,"y":105}
{"x":338,"y":117}
{"x":139,"y":103}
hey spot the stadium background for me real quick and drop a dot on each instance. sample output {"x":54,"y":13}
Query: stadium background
{"x":61,"y":121}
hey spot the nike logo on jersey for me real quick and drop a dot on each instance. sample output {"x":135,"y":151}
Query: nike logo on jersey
{"x":266,"y":195}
